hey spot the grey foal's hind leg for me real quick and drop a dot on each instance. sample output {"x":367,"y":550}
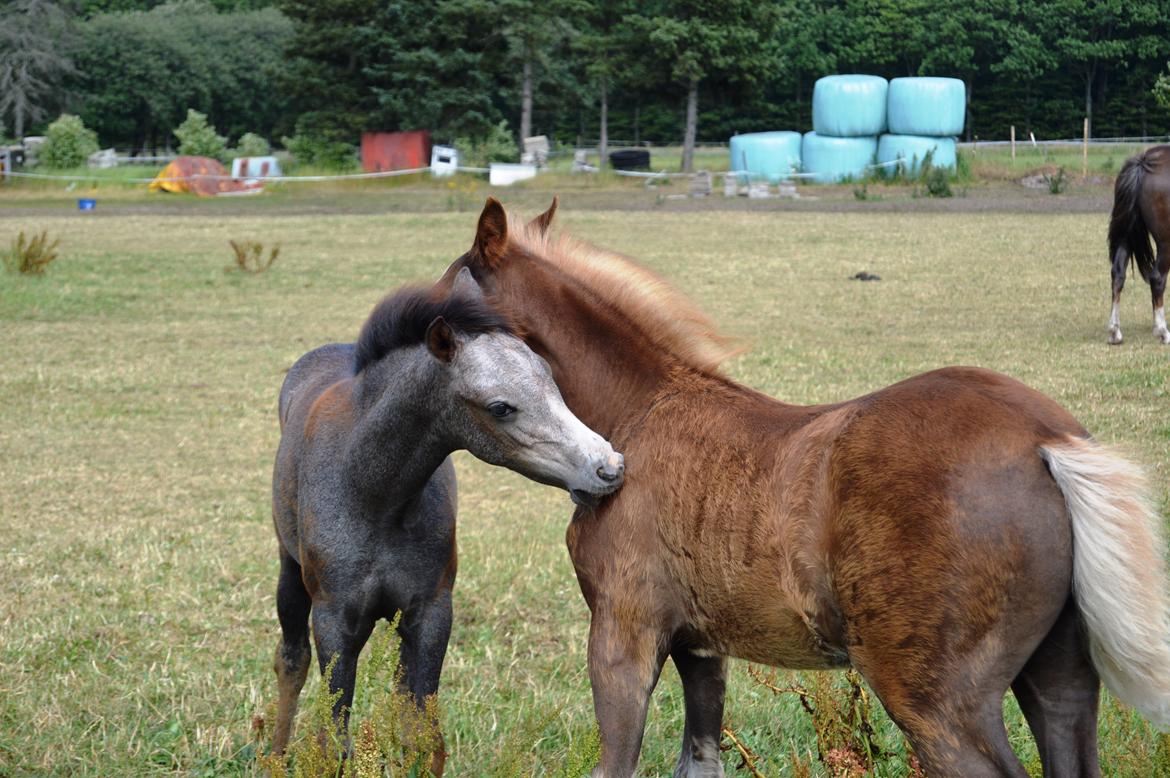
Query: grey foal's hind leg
{"x":293,"y":654}
{"x":704,"y":680}
{"x":1058,"y":691}
{"x":1120,"y":259}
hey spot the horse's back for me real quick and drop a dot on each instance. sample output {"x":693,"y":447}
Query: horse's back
{"x":313,"y":373}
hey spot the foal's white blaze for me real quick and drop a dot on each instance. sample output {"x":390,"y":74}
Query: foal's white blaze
{"x":553,"y":444}
{"x":1115,"y":324}
{"x":1160,"y":324}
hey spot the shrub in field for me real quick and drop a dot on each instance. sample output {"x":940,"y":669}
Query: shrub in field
{"x":312,"y":150}
{"x":498,"y":145}
{"x":252,"y":145}
{"x":68,"y":143}
{"x":197,"y":138}
{"x":388,"y":735}
{"x":30,"y":256}
{"x":936,"y":179}
{"x":1057,"y":182}
{"x":250,"y":257}
{"x":842,"y":718}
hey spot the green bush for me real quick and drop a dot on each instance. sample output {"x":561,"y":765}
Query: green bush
{"x":498,"y":145}
{"x":252,"y":145}
{"x":329,"y":154}
{"x":197,"y":138}
{"x":67,"y":143}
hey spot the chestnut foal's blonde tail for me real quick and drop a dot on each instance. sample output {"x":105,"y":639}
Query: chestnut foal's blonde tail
{"x":1119,"y":577}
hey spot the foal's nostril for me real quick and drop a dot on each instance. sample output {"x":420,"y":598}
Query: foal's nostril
{"x":612,"y":470}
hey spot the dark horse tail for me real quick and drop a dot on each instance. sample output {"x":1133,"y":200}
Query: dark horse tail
{"x":1127,"y":228}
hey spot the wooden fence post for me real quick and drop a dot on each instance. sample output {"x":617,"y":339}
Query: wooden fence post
{"x":1013,"y":143}
{"x":1085,"y":151}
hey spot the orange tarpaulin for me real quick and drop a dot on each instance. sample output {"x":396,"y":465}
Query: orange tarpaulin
{"x":202,"y":175}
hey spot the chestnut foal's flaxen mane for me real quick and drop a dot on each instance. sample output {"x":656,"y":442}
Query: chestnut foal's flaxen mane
{"x":671,"y":320}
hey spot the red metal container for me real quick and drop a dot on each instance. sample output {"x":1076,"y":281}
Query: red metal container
{"x":395,"y":150}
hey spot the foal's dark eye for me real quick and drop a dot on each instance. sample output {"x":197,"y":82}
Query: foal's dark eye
{"x":500,"y":410}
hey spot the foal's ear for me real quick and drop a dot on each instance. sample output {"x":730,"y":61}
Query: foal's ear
{"x":465,"y":285}
{"x":541,"y":223}
{"x":491,"y":237}
{"x":441,"y":340}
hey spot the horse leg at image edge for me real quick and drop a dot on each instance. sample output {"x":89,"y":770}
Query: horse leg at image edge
{"x":425,"y":631}
{"x":1058,"y":692}
{"x":293,"y":654}
{"x":1119,"y":262}
{"x":624,"y":665}
{"x":704,"y":681}
{"x":1157,"y":293}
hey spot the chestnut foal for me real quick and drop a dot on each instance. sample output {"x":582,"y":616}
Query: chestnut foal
{"x":950,"y":536}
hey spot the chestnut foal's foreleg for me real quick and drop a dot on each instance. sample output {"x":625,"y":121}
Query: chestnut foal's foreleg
{"x":624,"y":665}
{"x":1158,"y":291}
{"x":1120,"y":260}
{"x":704,"y":681}
{"x":292,"y":653}
{"x":1058,"y":690}
{"x":425,"y":630}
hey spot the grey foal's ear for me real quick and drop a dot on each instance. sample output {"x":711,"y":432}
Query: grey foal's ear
{"x":441,"y":340}
{"x":465,"y":286}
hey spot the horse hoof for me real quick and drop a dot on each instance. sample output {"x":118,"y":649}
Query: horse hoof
{"x":1115,"y":338}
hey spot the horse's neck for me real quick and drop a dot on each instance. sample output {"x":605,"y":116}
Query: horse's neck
{"x":396,"y":444}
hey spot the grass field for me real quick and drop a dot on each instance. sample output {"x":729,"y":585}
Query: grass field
{"x":138,"y":383}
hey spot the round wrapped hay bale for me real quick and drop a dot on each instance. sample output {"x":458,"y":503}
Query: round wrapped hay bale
{"x":831,"y":159}
{"x":770,"y":155}
{"x":849,"y":106}
{"x":927,"y":106}
{"x":911,"y":150}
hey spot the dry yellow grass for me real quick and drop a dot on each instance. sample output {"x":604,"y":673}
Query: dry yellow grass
{"x":138,"y":383}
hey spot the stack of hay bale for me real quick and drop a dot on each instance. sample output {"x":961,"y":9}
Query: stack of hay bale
{"x":765,"y":155}
{"x":849,"y":112}
{"x":924,"y":114}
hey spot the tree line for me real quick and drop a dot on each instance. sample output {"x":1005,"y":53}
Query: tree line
{"x":319,"y":72}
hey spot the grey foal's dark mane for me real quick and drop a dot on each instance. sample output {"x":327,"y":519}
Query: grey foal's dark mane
{"x":402,"y":318}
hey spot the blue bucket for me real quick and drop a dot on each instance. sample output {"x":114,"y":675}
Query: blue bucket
{"x":86,"y":204}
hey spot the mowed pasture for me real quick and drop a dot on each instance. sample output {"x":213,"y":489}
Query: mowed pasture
{"x":138,"y":385}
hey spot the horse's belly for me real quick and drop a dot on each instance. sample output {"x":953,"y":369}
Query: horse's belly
{"x":768,"y":631}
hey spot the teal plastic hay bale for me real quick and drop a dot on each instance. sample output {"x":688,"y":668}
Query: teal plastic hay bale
{"x":849,"y":106}
{"x":831,"y":159}
{"x":771,"y":155}
{"x":927,"y":106}
{"x":912,"y":149}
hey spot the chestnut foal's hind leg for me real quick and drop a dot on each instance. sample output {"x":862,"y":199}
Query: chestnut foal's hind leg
{"x":704,"y":681}
{"x":1058,"y":691}
{"x":292,"y":653}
